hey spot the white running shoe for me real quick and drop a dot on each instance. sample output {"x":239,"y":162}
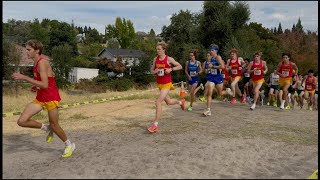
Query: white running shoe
{"x":253,"y":106}
{"x":68,"y":150}
{"x":207,"y":113}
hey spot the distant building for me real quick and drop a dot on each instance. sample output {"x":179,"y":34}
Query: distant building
{"x":78,"y":73}
{"x":80,"y":37}
{"x":128,"y":56}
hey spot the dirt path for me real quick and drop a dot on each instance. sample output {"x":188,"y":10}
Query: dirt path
{"x":112,"y":142}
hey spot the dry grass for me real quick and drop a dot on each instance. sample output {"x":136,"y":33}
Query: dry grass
{"x":11,"y":103}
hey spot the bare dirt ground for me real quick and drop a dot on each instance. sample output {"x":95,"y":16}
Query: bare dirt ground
{"x":112,"y":142}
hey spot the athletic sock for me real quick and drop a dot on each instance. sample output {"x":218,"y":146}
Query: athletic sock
{"x":156,"y":123}
{"x":284,"y":101}
{"x":45,"y":127}
{"x":67,"y":142}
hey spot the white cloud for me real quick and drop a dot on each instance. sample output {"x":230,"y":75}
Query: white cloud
{"x":154,"y":14}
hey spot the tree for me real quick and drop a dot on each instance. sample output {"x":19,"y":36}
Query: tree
{"x":62,"y":63}
{"x":299,"y":26}
{"x":123,"y":31}
{"x":93,"y":36}
{"x":279,"y":29}
{"x":294,"y":29}
{"x":181,"y":29}
{"x":218,"y":21}
{"x":152,"y":34}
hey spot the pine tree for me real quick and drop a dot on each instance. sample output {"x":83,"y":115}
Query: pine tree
{"x":279,"y":29}
{"x":299,"y":26}
{"x":294,"y":28}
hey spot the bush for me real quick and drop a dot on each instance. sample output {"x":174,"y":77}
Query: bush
{"x":120,"y":84}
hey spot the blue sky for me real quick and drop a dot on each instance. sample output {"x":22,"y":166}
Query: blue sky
{"x":155,"y":14}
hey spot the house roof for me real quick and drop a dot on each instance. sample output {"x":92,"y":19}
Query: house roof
{"x":123,"y":52}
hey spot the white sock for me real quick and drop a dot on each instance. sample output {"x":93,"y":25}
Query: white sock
{"x":284,"y":101}
{"x":45,"y":127}
{"x":156,"y":123}
{"x":68,"y":142}
{"x":208,"y":109}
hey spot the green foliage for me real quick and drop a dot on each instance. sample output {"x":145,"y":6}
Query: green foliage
{"x":181,"y":30}
{"x":123,"y":31}
{"x":140,"y":72}
{"x":81,"y":61}
{"x":62,"y":62}
{"x":90,"y":50}
{"x":93,"y":36}
{"x":120,"y":84}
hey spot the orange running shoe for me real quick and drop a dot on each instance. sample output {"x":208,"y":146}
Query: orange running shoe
{"x":233,"y":101}
{"x":153,"y":128}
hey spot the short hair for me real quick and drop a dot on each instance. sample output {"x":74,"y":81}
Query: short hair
{"x":310,"y":71}
{"x":233,"y":50}
{"x":36,"y":45}
{"x":162,"y":44}
{"x":257,"y":53}
{"x":286,"y":54}
{"x":214,"y":46}
{"x":246,"y":59}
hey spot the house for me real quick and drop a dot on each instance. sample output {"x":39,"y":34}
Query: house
{"x":78,"y":73}
{"x":128,"y":56}
{"x":80,"y":37}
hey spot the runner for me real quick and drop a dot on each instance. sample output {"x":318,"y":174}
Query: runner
{"x":300,"y":90}
{"x":274,"y":87}
{"x":257,"y":68}
{"x":234,"y":64}
{"x":315,"y":101}
{"x":192,"y":69}
{"x":47,"y":98}
{"x":310,"y":88}
{"x":214,"y":78}
{"x":285,"y":71}
{"x":246,"y":80}
{"x":162,"y":68}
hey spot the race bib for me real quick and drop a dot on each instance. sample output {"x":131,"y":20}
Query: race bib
{"x":223,"y":76}
{"x":214,"y":71}
{"x":208,"y":71}
{"x":285,"y":73}
{"x":257,"y":72}
{"x":161,"y":72}
{"x":275,"y":81}
{"x":309,"y":87}
{"x":246,"y":75}
{"x":193,"y":73}
{"x":234,"y":71}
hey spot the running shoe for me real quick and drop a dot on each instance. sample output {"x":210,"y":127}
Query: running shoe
{"x":201,"y":86}
{"x":243,"y":99}
{"x":268,"y":104}
{"x":189,"y":108}
{"x":202,"y":98}
{"x":68,"y":150}
{"x":207,"y":113}
{"x":287,"y":107}
{"x":275,"y":104}
{"x":49,"y":136}
{"x":233,"y":101}
{"x":310,"y":108}
{"x":183,"y":104}
{"x":253,"y":106}
{"x":153,"y":128}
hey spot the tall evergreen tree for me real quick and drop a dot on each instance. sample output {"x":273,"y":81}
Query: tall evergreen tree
{"x":279,"y":29}
{"x":299,"y":26}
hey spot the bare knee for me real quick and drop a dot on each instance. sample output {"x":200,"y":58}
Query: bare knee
{"x":22,"y":122}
